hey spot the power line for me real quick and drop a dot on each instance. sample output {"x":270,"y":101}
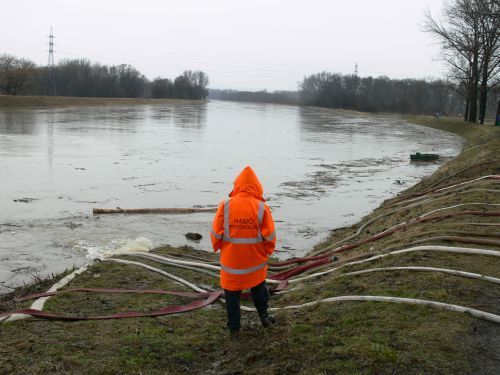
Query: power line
{"x":50,"y":86}
{"x":51,"y":49}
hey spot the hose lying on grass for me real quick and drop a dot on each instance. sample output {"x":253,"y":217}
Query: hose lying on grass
{"x":459,"y":205}
{"x":476,"y":224}
{"x":491,"y":177}
{"x":371,"y":221}
{"x":454,"y":190}
{"x":412,"y":301}
{"x":315,"y":261}
{"x":173,"y":262}
{"x":421,"y":218}
{"x":447,"y":194}
{"x":202,"y":300}
{"x":426,"y":269}
{"x":215,"y":295}
{"x":39,"y":303}
{"x":169,"y":275}
{"x":109,"y":291}
{"x":157,"y":270}
{"x":450,"y":232}
{"x":451,"y":186}
{"x":469,"y":240}
{"x":197,"y":266}
{"x":448,"y":271}
{"x":462,"y":170}
{"x":212,"y":297}
{"x":197,"y":259}
{"x":448,"y":249}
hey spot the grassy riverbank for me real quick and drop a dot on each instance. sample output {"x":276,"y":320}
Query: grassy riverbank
{"x":348,"y":337}
{"x":8,"y":101}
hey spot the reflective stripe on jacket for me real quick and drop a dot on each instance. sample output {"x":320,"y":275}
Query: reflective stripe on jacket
{"x":243,"y":229}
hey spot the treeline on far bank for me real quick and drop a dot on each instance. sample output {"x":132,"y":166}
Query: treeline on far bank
{"x":263,"y":96}
{"x":83,"y":78}
{"x":368,"y":94}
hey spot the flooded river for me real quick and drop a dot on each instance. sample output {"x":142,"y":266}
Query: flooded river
{"x":320,"y":169}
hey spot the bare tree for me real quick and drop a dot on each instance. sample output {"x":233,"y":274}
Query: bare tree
{"x":17,"y":76}
{"x":489,"y":18}
{"x":468,"y":32}
{"x":162,"y":88}
{"x":201,"y":82}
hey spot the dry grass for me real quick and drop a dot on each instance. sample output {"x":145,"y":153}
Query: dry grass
{"x":7,"y":101}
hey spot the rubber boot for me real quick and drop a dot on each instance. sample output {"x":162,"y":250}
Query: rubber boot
{"x":260,"y":296}
{"x":267,"y":320}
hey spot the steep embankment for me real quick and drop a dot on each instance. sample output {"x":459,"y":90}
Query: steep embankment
{"x":7,"y":101}
{"x":347,"y":337}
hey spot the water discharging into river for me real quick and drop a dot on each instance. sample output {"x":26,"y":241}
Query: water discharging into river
{"x":320,"y":169}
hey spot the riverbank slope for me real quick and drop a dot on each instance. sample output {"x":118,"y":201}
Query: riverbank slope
{"x":347,"y":337}
{"x":10,"y":101}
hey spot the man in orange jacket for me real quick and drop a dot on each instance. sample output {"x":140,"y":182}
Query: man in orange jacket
{"x":243,"y":230}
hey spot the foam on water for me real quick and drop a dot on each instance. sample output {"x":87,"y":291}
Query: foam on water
{"x":116,"y":247}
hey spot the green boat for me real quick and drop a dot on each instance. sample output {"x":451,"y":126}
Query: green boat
{"x":423,"y":157}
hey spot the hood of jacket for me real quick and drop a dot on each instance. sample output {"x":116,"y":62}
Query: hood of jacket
{"x":247,"y":183}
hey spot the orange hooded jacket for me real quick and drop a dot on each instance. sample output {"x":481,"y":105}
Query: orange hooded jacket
{"x":243,"y":229}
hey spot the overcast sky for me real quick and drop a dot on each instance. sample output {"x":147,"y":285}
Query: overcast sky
{"x":250,"y":45}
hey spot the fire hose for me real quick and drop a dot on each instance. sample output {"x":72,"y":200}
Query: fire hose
{"x":210,"y":297}
{"x":282,"y":278}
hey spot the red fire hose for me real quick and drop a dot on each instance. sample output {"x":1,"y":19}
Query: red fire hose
{"x":325,"y":258}
{"x":206,"y":298}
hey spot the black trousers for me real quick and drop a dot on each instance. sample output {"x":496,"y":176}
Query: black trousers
{"x":260,"y":297}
